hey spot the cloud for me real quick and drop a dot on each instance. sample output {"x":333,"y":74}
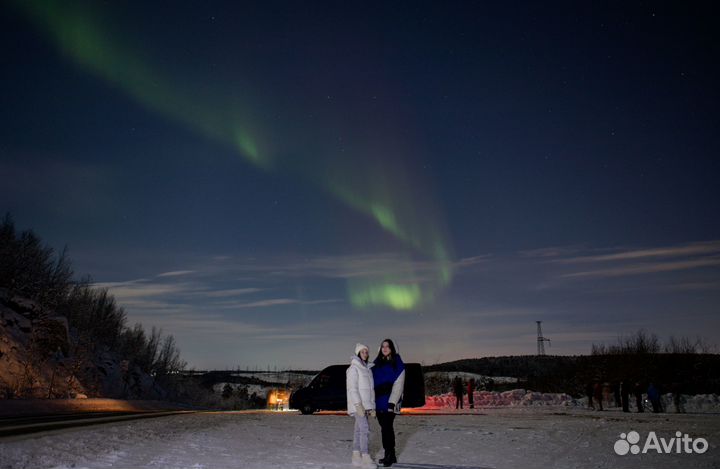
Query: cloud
{"x":273,"y":302}
{"x":181,"y":291}
{"x":131,"y":291}
{"x":266,"y":303}
{"x":549,"y":252}
{"x":500,"y":312}
{"x":694,"y":249}
{"x":474,"y":260}
{"x":119,"y":284}
{"x":232,"y":292}
{"x":690,"y":286}
{"x":358,"y":265}
{"x":208,"y":325}
{"x":176,"y":273}
{"x":637,"y":262}
{"x":229,"y":310}
{"x":651,"y":268}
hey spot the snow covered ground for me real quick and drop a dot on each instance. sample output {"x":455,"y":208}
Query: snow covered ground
{"x":529,"y":437}
{"x":700,"y":403}
{"x":516,"y":397}
{"x":449,"y":375}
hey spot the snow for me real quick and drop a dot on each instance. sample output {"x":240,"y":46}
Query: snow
{"x":258,"y":389}
{"x":509,"y":437}
{"x":276,"y":377}
{"x":270,"y":381}
{"x":700,"y":403}
{"x":479,"y":379}
{"x":696,"y":403}
{"x":516,"y":397}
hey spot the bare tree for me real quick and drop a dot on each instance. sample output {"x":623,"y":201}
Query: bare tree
{"x":642,"y":342}
{"x":97,"y":324}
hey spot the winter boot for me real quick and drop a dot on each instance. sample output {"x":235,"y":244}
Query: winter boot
{"x":389,"y":458}
{"x":356,"y":459}
{"x":367,"y":462}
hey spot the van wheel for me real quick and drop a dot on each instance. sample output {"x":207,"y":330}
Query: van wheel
{"x":307,"y":409}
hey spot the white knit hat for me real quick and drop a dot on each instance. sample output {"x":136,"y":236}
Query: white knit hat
{"x":359,"y":347}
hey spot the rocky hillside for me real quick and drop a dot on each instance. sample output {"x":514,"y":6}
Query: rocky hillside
{"x":62,"y":337}
{"x":41,"y":358}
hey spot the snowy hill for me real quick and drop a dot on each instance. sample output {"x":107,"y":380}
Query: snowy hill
{"x":27,"y":370}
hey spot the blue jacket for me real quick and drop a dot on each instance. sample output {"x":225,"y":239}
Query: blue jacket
{"x":389,"y":384}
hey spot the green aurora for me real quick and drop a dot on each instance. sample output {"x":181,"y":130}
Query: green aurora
{"x":380,"y":188}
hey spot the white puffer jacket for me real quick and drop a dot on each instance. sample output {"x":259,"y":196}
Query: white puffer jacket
{"x":360,"y":386}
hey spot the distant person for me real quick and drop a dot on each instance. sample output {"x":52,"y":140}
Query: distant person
{"x":389,"y":375}
{"x":471,"y":392}
{"x":607,"y":392}
{"x":589,"y":391}
{"x":638,"y":396}
{"x":625,"y":395}
{"x":361,"y":403}
{"x":676,"y":389}
{"x":616,"y":394}
{"x":458,"y":390}
{"x":654,"y":397}
{"x":598,"y":394}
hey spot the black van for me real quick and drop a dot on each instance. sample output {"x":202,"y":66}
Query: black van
{"x":327,"y":390}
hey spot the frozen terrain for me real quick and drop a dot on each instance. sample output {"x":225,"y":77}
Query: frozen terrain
{"x":516,"y":397}
{"x":489,"y":438}
{"x":707,"y":403}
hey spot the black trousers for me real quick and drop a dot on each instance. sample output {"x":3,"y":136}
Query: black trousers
{"x":657,"y":407}
{"x":386,"y":420}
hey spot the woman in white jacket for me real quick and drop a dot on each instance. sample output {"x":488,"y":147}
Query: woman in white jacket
{"x":361,"y":403}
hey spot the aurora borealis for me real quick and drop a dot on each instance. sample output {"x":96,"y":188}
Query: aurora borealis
{"x":400,"y":169}
{"x":81,"y":35}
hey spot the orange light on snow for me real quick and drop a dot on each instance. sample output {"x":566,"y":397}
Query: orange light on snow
{"x":278,"y":398}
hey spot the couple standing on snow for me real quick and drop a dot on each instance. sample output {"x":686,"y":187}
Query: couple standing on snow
{"x":375,"y":389}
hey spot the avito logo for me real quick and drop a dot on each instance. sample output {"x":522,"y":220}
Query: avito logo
{"x":628,"y":443}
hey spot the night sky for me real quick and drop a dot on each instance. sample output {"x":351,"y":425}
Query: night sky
{"x":272,"y":182}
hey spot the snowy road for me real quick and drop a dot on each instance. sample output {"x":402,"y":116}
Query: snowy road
{"x":493,"y":438}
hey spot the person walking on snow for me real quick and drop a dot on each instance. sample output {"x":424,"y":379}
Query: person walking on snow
{"x":637,"y":390}
{"x":654,"y":396}
{"x":589,"y":391}
{"x":598,"y":388}
{"x":471,"y":392}
{"x":389,"y":376}
{"x":361,"y":403}
{"x":458,"y":390}
{"x":625,"y":395}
